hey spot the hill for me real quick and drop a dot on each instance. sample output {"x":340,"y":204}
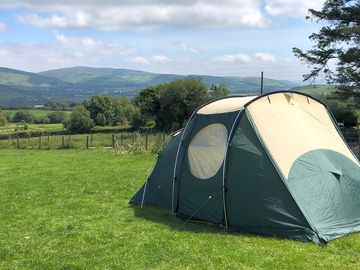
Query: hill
{"x":131,"y":81}
{"x":78,"y":83}
{"x":315,"y":90}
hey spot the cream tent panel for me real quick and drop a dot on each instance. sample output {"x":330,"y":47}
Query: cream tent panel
{"x":293,"y":124}
{"x":229,"y":104}
{"x":206,"y":151}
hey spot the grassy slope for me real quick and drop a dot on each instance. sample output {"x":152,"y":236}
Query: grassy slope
{"x":316,"y":90}
{"x":69,"y":210}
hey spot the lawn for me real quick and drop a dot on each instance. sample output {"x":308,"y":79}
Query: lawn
{"x":68,"y":209}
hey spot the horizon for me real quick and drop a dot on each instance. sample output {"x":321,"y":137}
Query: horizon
{"x":218,"y":38}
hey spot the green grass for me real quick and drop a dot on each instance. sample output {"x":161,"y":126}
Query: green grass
{"x":69,"y":209}
{"x":34,"y":112}
{"x":13,"y":128}
{"x":315,"y":90}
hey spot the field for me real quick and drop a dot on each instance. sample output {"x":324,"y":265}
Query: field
{"x":34,"y":112}
{"x":12,"y":128}
{"x":68,"y":209}
{"x":315,"y":90}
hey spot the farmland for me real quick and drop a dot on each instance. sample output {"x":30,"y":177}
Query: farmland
{"x":68,"y":209}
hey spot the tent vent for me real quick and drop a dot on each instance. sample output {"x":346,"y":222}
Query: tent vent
{"x":336,"y":173}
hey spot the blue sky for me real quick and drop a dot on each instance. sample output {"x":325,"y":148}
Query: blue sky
{"x":228,"y":37}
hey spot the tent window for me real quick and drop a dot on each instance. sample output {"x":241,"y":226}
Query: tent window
{"x":206,"y":151}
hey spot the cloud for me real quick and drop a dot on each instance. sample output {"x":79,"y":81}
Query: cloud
{"x":64,"y":51}
{"x":292,"y":8}
{"x":232,"y":58}
{"x":114,"y":15}
{"x":187,"y":48}
{"x":3,"y":27}
{"x":160,"y":58}
{"x":266,"y":57}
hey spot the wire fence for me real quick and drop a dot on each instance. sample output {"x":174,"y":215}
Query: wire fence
{"x":125,"y":141}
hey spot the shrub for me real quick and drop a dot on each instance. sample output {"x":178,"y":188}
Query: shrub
{"x":3,"y":119}
{"x":22,"y":116}
{"x":80,"y":121}
{"x":56,"y":117}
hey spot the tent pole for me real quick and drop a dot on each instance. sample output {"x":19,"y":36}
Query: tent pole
{"x":224,"y":167}
{"x":176,"y":161}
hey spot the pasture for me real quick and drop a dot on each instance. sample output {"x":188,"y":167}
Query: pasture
{"x":34,"y":112}
{"x":68,"y":209}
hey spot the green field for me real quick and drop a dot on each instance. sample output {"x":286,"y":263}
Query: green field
{"x":68,"y":209}
{"x":12,"y":128}
{"x":34,"y":112}
{"x":315,"y":90}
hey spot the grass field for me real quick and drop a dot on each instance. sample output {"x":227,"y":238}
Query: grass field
{"x":68,"y":209}
{"x":315,"y":90}
{"x":13,"y":128}
{"x":35,"y":113}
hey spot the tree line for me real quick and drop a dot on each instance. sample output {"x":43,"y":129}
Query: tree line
{"x":164,"y":107}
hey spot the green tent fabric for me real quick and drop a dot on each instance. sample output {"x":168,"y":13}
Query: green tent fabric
{"x":273,"y":165}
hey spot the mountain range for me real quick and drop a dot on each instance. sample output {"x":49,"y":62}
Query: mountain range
{"x":78,"y":83}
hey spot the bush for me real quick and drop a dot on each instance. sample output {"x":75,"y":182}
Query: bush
{"x":342,"y":112}
{"x":56,"y":117}
{"x":41,"y":120}
{"x":80,"y":121}
{"x":3,"y":119}
{"x":22,"y":116}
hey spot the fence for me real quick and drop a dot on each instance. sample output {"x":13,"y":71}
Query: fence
{"x":123,"y":140}
{"x":126,"y":141}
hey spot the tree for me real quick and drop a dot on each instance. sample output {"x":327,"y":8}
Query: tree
{"x":101,"y":110}
{"x":56,"y":117}
{"x":178,"y":99}
{"x":338,"y":43}
{"x":218,"y":90}
{"x":22,"y":116}
{"x":3,"y":119}
{"x":80,"y":121}
{"x":124,"y":110}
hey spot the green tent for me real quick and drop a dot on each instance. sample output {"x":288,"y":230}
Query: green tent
{"x":273,"y":165}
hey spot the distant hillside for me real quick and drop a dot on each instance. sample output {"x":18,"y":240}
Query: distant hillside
{"x":315,"y":90}
{"x":78,"y":83}
{"x":131,"y":81}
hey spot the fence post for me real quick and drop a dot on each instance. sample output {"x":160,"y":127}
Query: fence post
{"x":113,"y":140}
{"x":40,"y":142}
{"x":69,"y":141}
{"x":17,"y":142}
{"x":121,"y":139}
{"x":146,"y":141}
{"x":62,"y":142}
{"x":87,"y":141}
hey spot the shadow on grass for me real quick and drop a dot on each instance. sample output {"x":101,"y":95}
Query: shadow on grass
{"x":158,"y":215}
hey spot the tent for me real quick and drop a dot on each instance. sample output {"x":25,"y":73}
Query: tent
{"x":273,"y":165}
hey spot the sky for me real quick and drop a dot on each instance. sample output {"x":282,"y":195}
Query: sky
{"x":212,"y":37}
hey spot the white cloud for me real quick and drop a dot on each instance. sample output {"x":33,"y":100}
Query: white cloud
{"x":160,"y":58}
{"x":232,"y":58}
{"x":187,"y":48}
{"x":113,"y":15}
{"x":292,"y":8}
{"x":266,"y":57}
{"x":3,"y":27}
{"x":141,"y":60}
{"x":64,"y":51}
